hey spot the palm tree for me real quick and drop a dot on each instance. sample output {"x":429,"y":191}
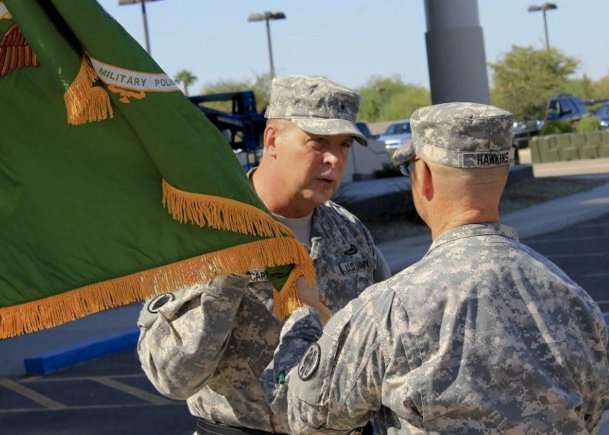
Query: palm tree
{"x":186,"y":78}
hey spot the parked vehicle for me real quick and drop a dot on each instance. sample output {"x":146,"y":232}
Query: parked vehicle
{"x":396,"y":134}
{"x":363,"y":127}
{"x":522,"y":128}
{"x":566,"y":107}
{"x":563,"y":107}
{"x":602,"y":114}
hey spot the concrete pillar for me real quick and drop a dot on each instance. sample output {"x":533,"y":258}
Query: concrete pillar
{"x":455,"y":52}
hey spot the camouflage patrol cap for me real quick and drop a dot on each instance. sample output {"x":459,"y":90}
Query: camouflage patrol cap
{"x":316,"y":105}
{"x":461,"y":135}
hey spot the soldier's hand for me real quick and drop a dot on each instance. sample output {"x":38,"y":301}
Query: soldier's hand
{"x":312,"y":297}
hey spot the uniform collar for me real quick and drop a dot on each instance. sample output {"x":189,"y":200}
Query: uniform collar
{"x":474,"y":230}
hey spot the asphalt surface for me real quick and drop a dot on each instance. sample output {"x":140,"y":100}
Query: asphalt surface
{"x":112,"y":395}
{"x":102,"y":389}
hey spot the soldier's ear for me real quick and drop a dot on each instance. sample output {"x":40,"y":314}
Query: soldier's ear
{"x":426,"y":177}
{"x":271,"y":132}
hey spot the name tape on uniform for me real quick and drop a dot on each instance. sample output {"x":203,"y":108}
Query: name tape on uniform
{"x":485,"y":159}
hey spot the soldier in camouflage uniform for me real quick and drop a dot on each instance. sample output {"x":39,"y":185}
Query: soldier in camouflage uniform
{"x":209,"y":344}
{"x":482,"y":335}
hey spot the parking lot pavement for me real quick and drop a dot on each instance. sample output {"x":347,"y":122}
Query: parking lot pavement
{"x":69,"y":341}
{"x":112,"y":395}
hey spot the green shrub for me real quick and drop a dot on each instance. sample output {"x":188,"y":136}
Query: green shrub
{"x":589,"y":123}
{"x":557,"y":127}
{"x":594,"y":107}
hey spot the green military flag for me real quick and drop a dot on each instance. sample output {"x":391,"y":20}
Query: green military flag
{"x":113,"y":185}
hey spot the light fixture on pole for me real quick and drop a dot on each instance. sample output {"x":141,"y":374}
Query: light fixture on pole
{"x":544,"y":7}
{"x":143,"y":2}
{"x":267,"y":16}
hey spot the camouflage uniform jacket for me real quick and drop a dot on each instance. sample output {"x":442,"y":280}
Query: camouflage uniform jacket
{"x":483,"y":335}
{"x":211,"y":344}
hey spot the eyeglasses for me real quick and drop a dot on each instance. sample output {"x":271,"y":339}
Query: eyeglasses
{"x":405,"y":167}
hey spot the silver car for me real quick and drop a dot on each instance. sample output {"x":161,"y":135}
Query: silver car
{"x":396,"y":135}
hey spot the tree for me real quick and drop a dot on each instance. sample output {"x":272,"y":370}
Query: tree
{"x":260,"y":86}
{"x":382,"y":98}
{"x":389,"y":98}
{"x":186,"y":78}
{"x":524,"y":79}
{"x":601,"y":88}
{"x":582,"y":87}
{"x":262,"y":89}
{"x":224,"y":86}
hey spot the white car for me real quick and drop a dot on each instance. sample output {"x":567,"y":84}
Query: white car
{"x":397,"y":134}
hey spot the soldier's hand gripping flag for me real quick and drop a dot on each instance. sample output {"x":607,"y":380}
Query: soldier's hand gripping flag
{"x":113,"y":185}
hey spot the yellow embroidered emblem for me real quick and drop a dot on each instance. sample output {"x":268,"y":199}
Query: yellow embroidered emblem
{"x":15,"y":52}
{"x":125,"y":94}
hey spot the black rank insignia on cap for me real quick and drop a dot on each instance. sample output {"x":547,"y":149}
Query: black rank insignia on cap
{"x":309,"y":362}
{"x":155,"y":304}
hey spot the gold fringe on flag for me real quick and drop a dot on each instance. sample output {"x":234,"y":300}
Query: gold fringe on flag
{"x":220,"y":213}
{"x":85,"y":102}
{"x":286,"y":300}
{"x":230,"y":215}
{"x":77,"y":303}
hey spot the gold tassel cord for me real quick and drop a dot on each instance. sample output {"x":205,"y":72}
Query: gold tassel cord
{"x":220,"y":213}
{"x":55,"y":310}
{"x":84,"y":101}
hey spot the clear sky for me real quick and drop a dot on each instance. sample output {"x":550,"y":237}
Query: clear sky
{"x":348,"y":41}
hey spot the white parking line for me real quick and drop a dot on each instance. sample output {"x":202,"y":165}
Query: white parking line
{"x":575,"y":254}
{"x":88,"y":407}
{"x":136,"y":392}
{"x":542,"y":239}
{"x":31,"y":394}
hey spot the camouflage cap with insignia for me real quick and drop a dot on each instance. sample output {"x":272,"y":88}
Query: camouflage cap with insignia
{"x":316,"y":105}
{"x":461,"y":135}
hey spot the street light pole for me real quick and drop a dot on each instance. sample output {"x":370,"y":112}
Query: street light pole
{"x":543,"y":8}
{"x":268,"y":38}
{"x":267,"y":16}
{"x":146,"y":26}
{"x":143,"y":2}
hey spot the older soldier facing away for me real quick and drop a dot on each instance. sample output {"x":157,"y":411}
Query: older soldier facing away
{"x":209,"y":344}
{"x":482,"y":335}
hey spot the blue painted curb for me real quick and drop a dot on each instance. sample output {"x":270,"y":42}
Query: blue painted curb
{"x":61,"y":358}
